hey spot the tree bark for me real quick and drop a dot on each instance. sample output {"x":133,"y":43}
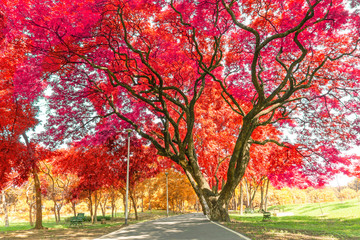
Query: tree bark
{"x":96,"y":204}
{"x":103,"y":209}
{"x":30,"y":203}
{"x":266,"y":194}
{"x":30,"y":216}
{"x":55,"y":213}
{"x":124,"y":205}
{"x":103,"y":204}
{"x":90,"y":206}
{"x":262,"y":194}
{"x":38,"y":201}
{"x":58,"y":209}
{"x":73,"y":207}
{"x":135,"y":208}
{"x":112,"y":204}
{"x":241,"y":199}
{"x":6,"y":212}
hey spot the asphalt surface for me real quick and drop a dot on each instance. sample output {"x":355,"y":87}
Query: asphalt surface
{"x":193,"y":226}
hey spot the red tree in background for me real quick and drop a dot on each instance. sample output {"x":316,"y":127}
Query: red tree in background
{"x":18,"y":162}
{"x":17,"y":114}
{"x":104,"y":166}
{"x":146,"y":64}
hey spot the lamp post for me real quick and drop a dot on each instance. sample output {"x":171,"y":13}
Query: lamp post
{"x":167,"y":195}
{"x":127,"y":177}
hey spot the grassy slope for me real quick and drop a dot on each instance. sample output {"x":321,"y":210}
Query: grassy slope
{"x":341,"y":221}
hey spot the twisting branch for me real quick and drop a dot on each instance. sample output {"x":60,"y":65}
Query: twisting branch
{"x":268,"y":141}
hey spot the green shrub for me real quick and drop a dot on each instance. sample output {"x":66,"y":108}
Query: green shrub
{"x":88,"y":218}
{"x":98,"y":218}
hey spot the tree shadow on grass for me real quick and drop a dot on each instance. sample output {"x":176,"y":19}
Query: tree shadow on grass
{"x":86,"y":232}
{"x":63,"y":231}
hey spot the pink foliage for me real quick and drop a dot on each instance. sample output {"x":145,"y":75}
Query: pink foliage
{"x":141,"y":64}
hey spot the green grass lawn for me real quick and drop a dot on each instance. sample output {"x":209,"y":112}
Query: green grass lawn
{"x":53,"y":231}
{"x":340,"y":220}
{"x":50,"y":222}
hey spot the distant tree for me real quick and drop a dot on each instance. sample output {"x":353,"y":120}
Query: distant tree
{"x":179,"y":190}
{"x":355,"y":184}
{"x":347,"y":194}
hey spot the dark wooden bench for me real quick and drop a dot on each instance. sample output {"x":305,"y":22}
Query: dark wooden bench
{"x":266,"y":216}
{"x":78,"y":220}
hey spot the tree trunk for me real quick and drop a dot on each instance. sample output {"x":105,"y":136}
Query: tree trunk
{"x":129,"y":204}
{"x":266,"y":194}
{"x":235,"y":202}
{"x":30,"y":216}
{"x":241,"y":199}
{"x":135,"y":208}
{"x":214,"y":204}
{"x":112,"y":206}
{"x":73,"y":206}
{"x":55,"y":213}
{"x":38,"y":222}
{"x":262,"y":195}
{"x":58,"y":209}
{"x":253,"y":196}
{"x":124,"y":204}
{"x":112,"y":202}
{"x":38,"y":202}
{"x":96,"y":204}
{"x":30,"y":203}
{"x":103,"y":209}
{"x":90,"y":207}
{"x":103,"y":204}
{"x":247,"y":195}
{"x":6,"y":212}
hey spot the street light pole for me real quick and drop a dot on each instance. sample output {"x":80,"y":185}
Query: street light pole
{"x":127,"y":178}
{"x":167,"y":195}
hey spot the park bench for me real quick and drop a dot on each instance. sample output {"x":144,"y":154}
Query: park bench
{"x":77,"y":220}
{"x":266,"y":216}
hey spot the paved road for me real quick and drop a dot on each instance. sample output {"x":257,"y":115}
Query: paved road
{"x":193,"y":226}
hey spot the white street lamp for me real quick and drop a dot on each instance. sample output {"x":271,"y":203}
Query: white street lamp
{"x":127,"y":177}
{"x":167,"y":195}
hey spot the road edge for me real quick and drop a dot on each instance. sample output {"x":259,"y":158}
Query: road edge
{"x":230,"y":230}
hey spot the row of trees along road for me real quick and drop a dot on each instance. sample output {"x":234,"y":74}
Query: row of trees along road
{"x":210,"y":85}
{"x":18,"y":203}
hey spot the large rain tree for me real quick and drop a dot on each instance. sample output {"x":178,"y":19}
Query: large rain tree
{"x":141,"y":64}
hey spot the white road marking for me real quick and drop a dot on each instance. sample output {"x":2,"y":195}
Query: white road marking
{"x":245,"y":238}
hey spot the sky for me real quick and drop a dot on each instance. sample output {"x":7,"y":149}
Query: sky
{"x":341,"y":179}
